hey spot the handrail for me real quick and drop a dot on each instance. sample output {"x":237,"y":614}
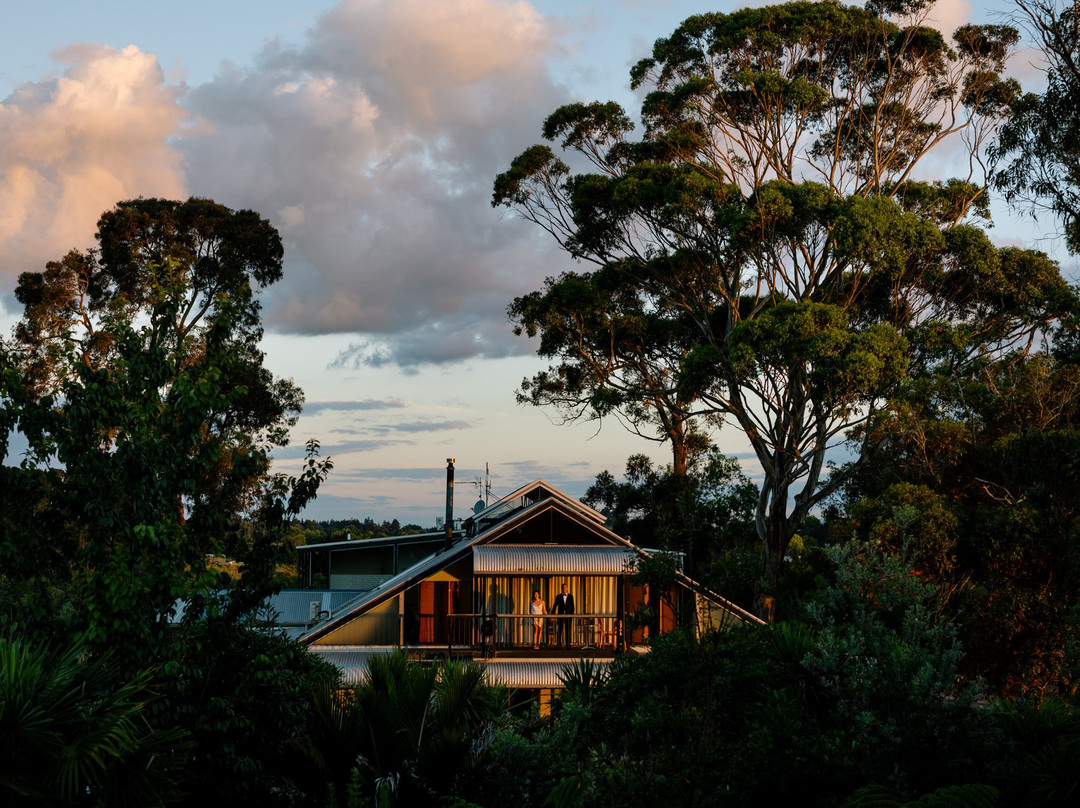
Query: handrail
{"x":489,"y":631}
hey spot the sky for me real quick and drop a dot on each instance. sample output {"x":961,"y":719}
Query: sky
{"x":369,"y":133}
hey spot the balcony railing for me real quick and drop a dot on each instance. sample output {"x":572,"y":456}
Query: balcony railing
{"x":489,"y":633}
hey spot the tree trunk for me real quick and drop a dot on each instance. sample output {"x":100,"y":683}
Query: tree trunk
{"x":775,"y":532}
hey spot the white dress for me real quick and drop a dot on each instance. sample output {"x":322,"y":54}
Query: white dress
{"x":537,"y":607}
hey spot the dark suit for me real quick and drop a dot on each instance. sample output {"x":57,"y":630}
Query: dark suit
{"x":564,"y":604}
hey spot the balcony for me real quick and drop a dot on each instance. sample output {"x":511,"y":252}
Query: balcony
{"x":511,"y":635}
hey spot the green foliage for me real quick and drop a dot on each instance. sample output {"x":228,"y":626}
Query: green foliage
{"x":865,"y":691}
{"x":142,"y":460}
{"x":619,"y":358}
{"x":248,"y":699}
{"x":883,"y":662}
{"x":135,"y":377}
{"x":726,"y":285}
{"x":1032,"y":749}
{"x":975,"y":484}
{"x":581,"y":680}
{"x":1038,"y":148}
{"x":73,"y":731}
{"x":974,"y":795}
{"x":415,"y":733}
{"x":705,"y":515}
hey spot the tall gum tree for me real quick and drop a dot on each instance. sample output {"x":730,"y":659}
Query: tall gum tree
{"x":619,"y":358}
{"x":1039,"y":147}
{"x":774,"y":208}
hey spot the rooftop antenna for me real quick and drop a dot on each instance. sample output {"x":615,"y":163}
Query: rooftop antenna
{"x":483,"y":487}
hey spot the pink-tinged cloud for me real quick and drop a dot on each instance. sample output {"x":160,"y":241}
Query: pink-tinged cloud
{"x":432,"y":61}
{"x":373,"y":146}
{"x":948,"y":15}
{"x":75,"y":145}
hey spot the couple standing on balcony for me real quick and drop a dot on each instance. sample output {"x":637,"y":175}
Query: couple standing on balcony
{"x":564,"y":604}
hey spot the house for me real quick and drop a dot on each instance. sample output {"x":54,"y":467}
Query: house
{"x":466,"y":593}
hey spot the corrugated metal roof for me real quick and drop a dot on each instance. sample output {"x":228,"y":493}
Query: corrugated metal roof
{"x":351,"y":660}
{"x":521,"y":673}
{"x":555,"y":559}
{"x":292,"y":607}
{"x":527,"y":673}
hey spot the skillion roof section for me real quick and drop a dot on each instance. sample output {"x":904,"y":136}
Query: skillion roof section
{"x":381,"y":541}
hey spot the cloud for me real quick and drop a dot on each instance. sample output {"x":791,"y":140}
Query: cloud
{"x":313,"y":407}
{"x":484,"y":331}
{"x":948,"y":15}
{"x":77,"y":144}
{"x":427,"y":426}
{"x":340,"y":448}
{"x":331,"y":506}
{"x":373,"y":146}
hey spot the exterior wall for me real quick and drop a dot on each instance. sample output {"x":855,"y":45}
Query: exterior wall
{"x":637,"y":599}
{"x":379,"y":625}
{"x":714,"y":616}
{"x":361,"y":567}
{"x":548,"y":528}
{"x":356,"y":581}
{"x":365,"y":567}
{"x":505,"y":594}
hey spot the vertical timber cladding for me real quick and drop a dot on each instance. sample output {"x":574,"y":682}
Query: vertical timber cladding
{"x":433,"y":599}
{"x":433,"y":608}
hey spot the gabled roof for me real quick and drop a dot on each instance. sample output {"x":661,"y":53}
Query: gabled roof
{"x":524,"y":497}
{"x":523,"y":505}
{"x":606,"y":553}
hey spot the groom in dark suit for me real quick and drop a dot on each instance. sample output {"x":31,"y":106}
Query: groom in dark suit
{"x":564,"y":604}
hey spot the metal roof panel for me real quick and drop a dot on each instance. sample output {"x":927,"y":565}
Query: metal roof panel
{"x":520,"y":673}
{"x":554,"y":559}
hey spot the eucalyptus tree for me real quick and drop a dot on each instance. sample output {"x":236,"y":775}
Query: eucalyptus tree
{"x":618,"y":358}
{"x":775,"y":205}
{"x":1039,"y":147}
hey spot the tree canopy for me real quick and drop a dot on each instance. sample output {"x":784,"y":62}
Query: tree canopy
{"x":771,"y":233}
{"x":1039,"y":147}
{"x":136,"y":378}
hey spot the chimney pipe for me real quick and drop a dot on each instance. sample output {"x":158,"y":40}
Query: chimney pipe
{"x":449,"y":502}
